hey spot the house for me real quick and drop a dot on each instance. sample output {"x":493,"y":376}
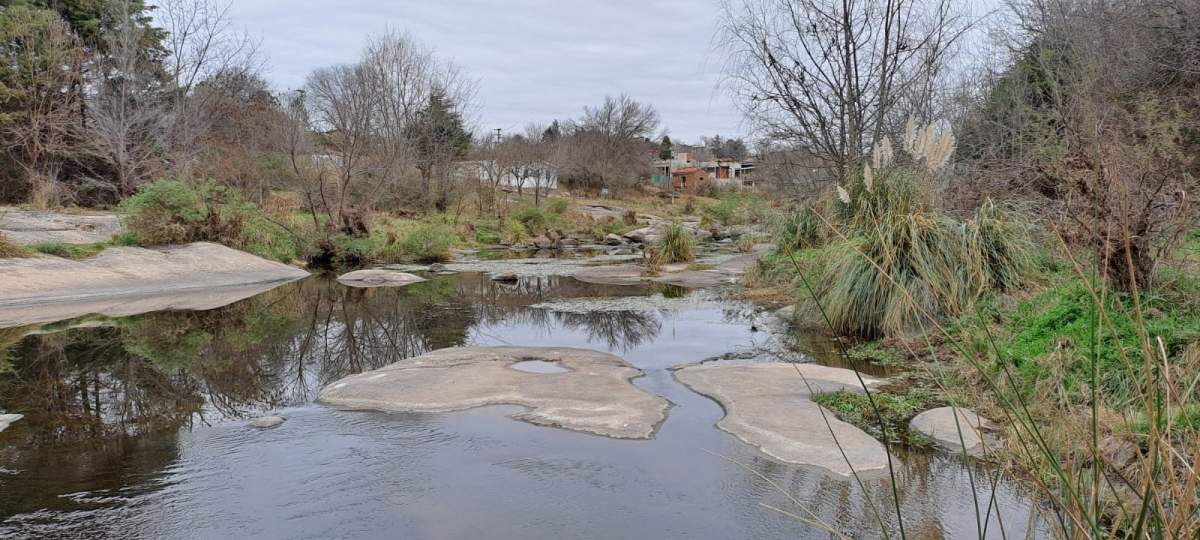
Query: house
{"x":721,"y":172}
{"x":689,"y":179}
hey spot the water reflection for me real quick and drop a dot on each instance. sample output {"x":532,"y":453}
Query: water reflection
{"x":98,"y":377}
{"x":126,"y":433}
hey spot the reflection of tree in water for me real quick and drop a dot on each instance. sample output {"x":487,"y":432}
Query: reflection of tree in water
{"x":619,"y":330}
{"x":98,"y":376}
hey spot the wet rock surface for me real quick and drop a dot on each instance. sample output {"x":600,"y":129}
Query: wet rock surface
{"x":36,"y":226}
{"x":769,"y":406}
{"x":940,"y":425}
{"x":379,"y":277}
{"x":43,"y":288}
{"x":594,"y":395}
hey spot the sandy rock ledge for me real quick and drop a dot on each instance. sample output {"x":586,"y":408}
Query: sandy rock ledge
{"x":769,"y":406}
{"x":591,"y":393}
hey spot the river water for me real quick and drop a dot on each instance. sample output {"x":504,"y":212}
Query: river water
{"x":137,"y":428}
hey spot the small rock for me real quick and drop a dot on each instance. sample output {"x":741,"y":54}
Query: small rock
{"x":507,"y":277}
{"x":569,"y":241}
{"x":613,"y":240}
{"x":267,"y":422}
{"x":8,"y":419}
{"x":787,"y":313}
{"x":639,"y":235}
{"x":938,"y":424}
{"x":437,"y":267}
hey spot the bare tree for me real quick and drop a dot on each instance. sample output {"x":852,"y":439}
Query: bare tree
{"x":125,"y":127}
{"x":826,"y":75}
{"x":609,"y":147}
{"x":201,"y":44}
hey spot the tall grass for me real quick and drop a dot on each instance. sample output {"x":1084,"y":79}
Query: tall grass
{"x":676,"y":245}
{"x":1107,"y":431}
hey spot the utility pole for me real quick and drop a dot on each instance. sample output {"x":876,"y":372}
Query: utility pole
{"x":497,"y":134}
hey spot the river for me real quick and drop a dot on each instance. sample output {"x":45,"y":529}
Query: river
{"x":136,"y":427}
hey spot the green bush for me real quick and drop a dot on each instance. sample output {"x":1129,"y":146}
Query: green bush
{"x":487,"y":237}
{"x":177,"y":211}
{"x":515,"y":232}
{"x":676,"y":245}
{"x":532,"y":218}
{"x":427,"y":243}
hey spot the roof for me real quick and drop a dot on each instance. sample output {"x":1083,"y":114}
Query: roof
{"x":687,"y":170}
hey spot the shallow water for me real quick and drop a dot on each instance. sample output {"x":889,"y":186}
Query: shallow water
{"x":137,"y":428}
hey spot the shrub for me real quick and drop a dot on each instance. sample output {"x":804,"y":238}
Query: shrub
{"x":515,"y":232}
{"x":10,"y":249}
{"x":176,"y":211}
{"x":532,"y":218}
{"x":427,"y":243}
{"x":558,"y":206}
{"x":487,"y":237}
{"x":676,"y":245}
{"x":744,"y":243}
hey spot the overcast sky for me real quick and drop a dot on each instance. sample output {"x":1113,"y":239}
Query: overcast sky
{"x":536,"y":60}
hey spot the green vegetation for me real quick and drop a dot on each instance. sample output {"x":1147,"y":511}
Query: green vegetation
{"x":426,"y":243}
{"x":737,"y":207}
{"x":515,"y":232}
{"x":676,"y":245}
{"x":177,"y":211}
{"x":891,"y":409}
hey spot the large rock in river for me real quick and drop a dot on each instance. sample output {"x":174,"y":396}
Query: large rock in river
{"x":770,"y":406}
{"x":574,"y":389}
{"x":128,"y":280}
{"x":378,"y":277}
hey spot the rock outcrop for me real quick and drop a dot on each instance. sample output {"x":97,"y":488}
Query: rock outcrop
{"x":128,"y":280}
{"x":940,"y":426}
{"x":37,"y":226}
{"x":594,"y":395}
{"x":769,"y":406}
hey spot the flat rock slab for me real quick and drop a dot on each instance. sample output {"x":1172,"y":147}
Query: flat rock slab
{"x":940,"y":426}
{"x":29,"y":227}
{"x":43,"y":289}
{"x":769,"y":406}
{"x":8,"y":419}
{"x":378,"y":277}
{"x":268,"y":422}
{"x":720,"y":271}
{"x":594,"y":395}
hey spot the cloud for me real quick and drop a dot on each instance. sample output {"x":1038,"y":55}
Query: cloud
{"x":536,"y":60}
